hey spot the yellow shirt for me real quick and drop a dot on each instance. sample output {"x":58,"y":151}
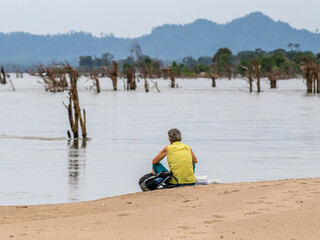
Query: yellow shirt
{"x":180,"y":163}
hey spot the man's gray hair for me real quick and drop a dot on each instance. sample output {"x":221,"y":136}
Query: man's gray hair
{"x":174,"y":135}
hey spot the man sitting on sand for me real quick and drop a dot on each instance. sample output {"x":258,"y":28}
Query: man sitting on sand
{"x":180,"y":158}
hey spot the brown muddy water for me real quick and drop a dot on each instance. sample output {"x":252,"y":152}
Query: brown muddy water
{"x":237,"y":136}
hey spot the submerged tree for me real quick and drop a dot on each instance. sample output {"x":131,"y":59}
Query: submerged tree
{"x":311,"y":72}
{"x":222,"y":62}
{"x":141,"y":64}
{"x":74,"y":110}
{"x":213,"y":75}
{"x":248,"y":71}
{"x":94,"y":75}
{"x":129,"y":73}
{"x":272,"y":76}
{"x":18,"y":72}
{"x":256,"y":68}
{"x":54,"y":77}
{"x":170,"y":72}
{"x":3,"y":76}
{"x":111,"y":72}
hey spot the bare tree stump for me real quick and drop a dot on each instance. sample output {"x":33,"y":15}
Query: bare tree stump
{"x":310,"y":72}
{"x":256,"y":67}
{"x":112,"y":73}
{"x":3,"y":78}
{"x":272,"y":76}
{"x":250,"y":79}
{"x":172,"y":78}
{"x":213,"y":81}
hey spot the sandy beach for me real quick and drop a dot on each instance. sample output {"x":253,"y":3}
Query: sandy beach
{"x":285,"y":209}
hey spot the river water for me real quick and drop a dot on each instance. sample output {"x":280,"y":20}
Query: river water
{"x":236,"y":136}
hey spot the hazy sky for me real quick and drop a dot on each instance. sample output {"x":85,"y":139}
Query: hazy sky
{"x":130,"y":18}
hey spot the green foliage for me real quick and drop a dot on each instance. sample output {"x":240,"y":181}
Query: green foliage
{"x":189,"y":61}
{"x":303,"y":55}
{"x":267,"y":64}
{"x":222,"y":61}
{"x":246,"y":63}
{"x":205,"y":60}
{"x":107,"y":57}
{"x":222,"y":53}
{"x":86,"y":62}
{"x":279,"y":57}
{"x":222,"y":64}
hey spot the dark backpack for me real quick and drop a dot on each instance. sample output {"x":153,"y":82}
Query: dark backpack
{"x":153,"y":181}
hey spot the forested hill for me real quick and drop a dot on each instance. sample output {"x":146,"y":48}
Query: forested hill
{"x":168,"y":42}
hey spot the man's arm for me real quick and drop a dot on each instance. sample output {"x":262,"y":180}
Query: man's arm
{"x":194,"y":158}
{"x":160,"y":155}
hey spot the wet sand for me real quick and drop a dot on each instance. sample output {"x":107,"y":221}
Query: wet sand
{"x":286,"y":209}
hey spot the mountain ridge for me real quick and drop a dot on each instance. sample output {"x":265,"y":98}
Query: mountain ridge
{"x":167,"y":42}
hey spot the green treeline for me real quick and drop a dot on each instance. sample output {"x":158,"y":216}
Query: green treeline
{"x":223,"y":64}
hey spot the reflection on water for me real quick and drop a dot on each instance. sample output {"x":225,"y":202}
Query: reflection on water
{"x":236,"y":136}
{"x":76,"y":166}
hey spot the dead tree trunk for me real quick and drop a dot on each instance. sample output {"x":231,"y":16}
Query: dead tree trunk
{"x":130,"y":75}
{"x":272,"y":76}
{"x":229,"y":72}
{"x":146,"y":84}
{"x":94,"y":75}
{"x":97,"y":84}
{"x":3,"y":79}
{"x":256,"y":67}
{"x":172,"y":78}
{"x":18,"y":72}
{"x":213,"y":81}
{"x":250,"y":79}
{"x":213,"y":74}
{"x":113,"y":74}
{"x":309,"y":81}
{"x":74,"y":110}
{"x":317,"y":67}
{"x":307,"y":67}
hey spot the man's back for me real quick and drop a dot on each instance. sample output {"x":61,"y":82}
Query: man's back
{"x":180,"y":162}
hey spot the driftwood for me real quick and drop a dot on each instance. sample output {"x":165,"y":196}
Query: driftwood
{"x":11,"y":83}
{"x":156,"y":85}
{"x":74,"y":110}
